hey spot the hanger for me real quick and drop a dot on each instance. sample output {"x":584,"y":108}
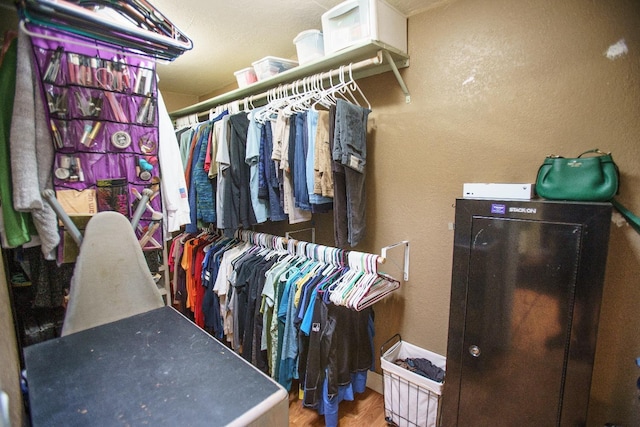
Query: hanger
{"x":379,"y":290}
{"x":265,"y":114}
{"x":346,"y":281}
{"x":356,"y":87}
{"x":345,"y":88}
{"x":328,"y":95}
{"x":363,"y":282}
{"x":279,"y":100}
{"x":335,"y":89}
{"x":321,"y":94}
{"x":134,"y":24}
{"x":381,"y":286}
{"x":234,"y":107}
{"x":247,"y":102}
{"x":366,"y":282}
{"x":292,"y":102}
{"x":361,"y":285}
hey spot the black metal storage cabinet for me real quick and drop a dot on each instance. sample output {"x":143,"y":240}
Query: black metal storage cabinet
{"x":525,"y":298}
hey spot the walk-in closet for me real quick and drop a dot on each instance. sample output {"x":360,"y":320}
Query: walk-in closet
{"x":319,"y":213}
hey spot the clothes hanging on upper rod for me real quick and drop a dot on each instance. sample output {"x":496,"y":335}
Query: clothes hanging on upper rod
{"x":280,"y":162}
{"x":295,"y":310}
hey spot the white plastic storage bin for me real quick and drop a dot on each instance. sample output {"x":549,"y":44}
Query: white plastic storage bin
{"x":246,"y":76}
{"x":270,"y":66}
{"x":356,"y":21}
{"x":410,"y":399}
{"x":309,"y":46}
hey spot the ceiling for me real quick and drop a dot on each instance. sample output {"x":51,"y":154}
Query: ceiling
{"x":229,"y":35}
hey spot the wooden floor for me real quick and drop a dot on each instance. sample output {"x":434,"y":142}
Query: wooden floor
{"x":366,"y":410}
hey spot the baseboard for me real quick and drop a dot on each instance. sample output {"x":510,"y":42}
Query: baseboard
{"x":374,"y":381}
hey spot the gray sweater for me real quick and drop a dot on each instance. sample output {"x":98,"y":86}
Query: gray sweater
{"x":32,"y":151}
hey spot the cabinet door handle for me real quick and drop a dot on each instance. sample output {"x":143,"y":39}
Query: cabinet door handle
{"x":474,"y":350}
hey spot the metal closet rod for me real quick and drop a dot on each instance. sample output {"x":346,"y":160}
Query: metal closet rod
{"x":269,"y":240}
{"x":205,"y":106}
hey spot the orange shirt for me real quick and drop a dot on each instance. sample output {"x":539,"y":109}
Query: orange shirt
{"x":187,"y":263}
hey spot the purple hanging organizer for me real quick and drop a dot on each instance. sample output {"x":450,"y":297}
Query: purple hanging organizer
{"x":101,"y":102}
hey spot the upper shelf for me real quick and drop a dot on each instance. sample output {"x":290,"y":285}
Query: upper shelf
{"x":343,"y":57}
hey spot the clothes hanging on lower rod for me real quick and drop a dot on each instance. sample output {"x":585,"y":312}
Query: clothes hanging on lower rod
{"x":274,"y":163}
{"x":296,"y":310}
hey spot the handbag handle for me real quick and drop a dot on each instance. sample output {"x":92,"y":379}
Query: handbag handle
{"x":631,"y":218}
{"x":595,"y":150}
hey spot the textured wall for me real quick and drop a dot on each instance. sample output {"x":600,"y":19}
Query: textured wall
{"x":495,"y":86}
{"x":174,"y":101}
{"x":10,"y":372}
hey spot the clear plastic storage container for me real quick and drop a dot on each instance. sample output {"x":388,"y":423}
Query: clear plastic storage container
{"x":309,"y":46}
{"x":246,"y":76}
{"x":356,"y":21}
{"x":270,"y":66}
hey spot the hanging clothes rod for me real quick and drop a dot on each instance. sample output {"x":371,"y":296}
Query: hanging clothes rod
{"x":365,"y":284}
{"x":270,"y":240}
{"x":205,"y":106}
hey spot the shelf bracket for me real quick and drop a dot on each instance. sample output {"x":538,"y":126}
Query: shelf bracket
{"x":404,"y":243}
{"x":311,"y":229}
{"x":394,"y":68}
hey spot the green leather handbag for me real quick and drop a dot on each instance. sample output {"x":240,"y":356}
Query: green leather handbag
{"x":590,"y":178}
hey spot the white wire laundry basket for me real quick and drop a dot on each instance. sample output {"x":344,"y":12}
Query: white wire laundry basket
{"x":410,"y":399}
